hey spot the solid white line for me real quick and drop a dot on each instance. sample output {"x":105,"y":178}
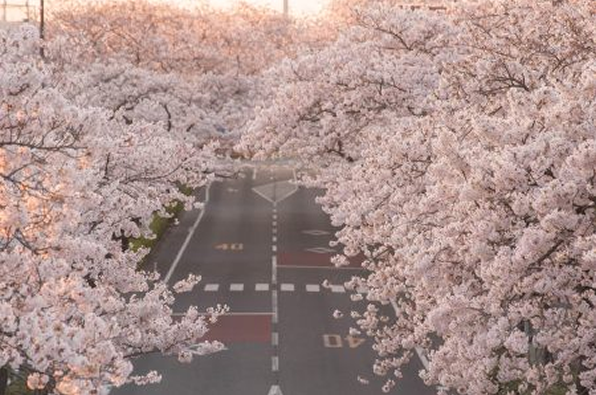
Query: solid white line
{"x":287,"y":195}
{"x":287,"y":287}
{"x":188,"y":237}
{"x":274,"y":364}
{"x":313,"y":288}
{"x":236,"y":287}
{"x":275,"y":339}
{"x":262,"y":287}
{"x":211,"y":287}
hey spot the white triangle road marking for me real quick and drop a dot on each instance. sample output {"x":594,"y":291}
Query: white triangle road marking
{"x":275,"y":390}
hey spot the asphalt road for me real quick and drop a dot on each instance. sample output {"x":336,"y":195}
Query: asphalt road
{"x":262,"y":247}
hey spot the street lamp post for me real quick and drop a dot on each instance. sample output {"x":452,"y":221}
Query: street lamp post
{"x":42,"y":27}
{"x":286,"y":8}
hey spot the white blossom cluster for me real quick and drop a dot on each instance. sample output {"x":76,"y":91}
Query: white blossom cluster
{"x":75,"y":181}
{"x":458,"y":153}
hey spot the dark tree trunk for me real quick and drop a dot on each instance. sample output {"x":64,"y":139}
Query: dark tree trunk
{"x":3,"y":381}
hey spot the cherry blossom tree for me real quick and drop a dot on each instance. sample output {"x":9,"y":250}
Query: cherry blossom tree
{"x":73,"y":306}
{"x":193,"y":40}
{"x":458,"y":153}
{"x":195,"y":68}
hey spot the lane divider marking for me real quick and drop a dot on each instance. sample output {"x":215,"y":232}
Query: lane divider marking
{"x":188,"y":237}
{"x":274,"y":305}
{"x":274,"y":269}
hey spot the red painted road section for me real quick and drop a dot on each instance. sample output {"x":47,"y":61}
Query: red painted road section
{"x":241,"y":329}
{"x":306,"y":258}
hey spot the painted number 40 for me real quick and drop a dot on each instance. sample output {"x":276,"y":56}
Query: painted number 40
{"x":336,"y":341}
{"x":230,"y":247}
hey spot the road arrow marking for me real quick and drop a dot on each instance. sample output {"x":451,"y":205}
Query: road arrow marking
{"x":275,"y":390}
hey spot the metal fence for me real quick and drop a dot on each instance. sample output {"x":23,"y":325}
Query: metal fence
{"x":18,"y":10}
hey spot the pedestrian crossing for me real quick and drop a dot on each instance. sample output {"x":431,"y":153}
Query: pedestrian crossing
{"x":283,"y":287}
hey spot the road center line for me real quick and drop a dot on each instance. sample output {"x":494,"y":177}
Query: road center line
{"x":274,"y":270}
{"x":188,"y":237}
{"x":274,"y":307}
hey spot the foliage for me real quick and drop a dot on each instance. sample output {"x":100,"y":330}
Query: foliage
{"x":75,"y":181}
{"x":458,"y":151}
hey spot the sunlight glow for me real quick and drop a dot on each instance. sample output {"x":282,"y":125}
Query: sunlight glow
{"x":297,"y":7}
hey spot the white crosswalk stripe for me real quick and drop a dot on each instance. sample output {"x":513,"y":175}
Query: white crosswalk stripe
{"x":285,"y":287}
{"x":338,"y":289}
{"x":313,"y":287}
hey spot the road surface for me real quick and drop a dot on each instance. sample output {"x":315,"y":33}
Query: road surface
{"x":262,"y":247}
